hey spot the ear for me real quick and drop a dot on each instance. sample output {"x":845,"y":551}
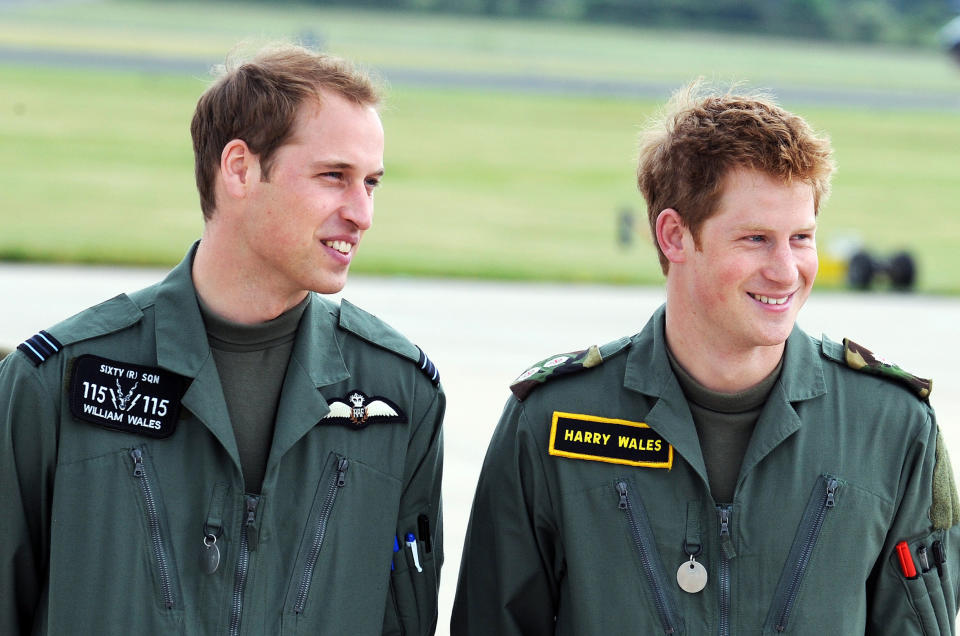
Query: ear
{"x":670,"y":235}
{"x":239,"y":168}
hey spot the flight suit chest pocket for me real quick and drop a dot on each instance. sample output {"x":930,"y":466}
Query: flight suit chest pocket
{"x":832,"y":554}
{"x":111,"y":529}
{"x":611,"y":552}
{"x":820,"y":506}
{"x":342,"y":567}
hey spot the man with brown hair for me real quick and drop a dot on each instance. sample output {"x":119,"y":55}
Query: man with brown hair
{"x":721,"y":472}
{"x":227,"y":452}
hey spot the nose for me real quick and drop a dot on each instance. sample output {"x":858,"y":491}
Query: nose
{"x":782,"y":266}
{"x":358,"y":208}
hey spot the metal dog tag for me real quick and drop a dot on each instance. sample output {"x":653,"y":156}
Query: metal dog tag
{"x":209,"y":555}
{"x":692,"y":576}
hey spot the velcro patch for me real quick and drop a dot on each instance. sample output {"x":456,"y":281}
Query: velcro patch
{"x":609,"y":440}
{"x":358,"y":411}
{"x":125,"y":397}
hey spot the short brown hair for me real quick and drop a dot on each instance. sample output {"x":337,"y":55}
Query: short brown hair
{"x":258,"y":100}
{"x":686,"y":154}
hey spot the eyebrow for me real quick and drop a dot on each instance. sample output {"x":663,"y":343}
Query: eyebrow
{"x":341,"y":165}
{"x":759,"y":229}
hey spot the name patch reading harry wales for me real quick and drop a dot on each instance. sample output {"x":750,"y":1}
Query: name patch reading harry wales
{"x":125,"y":397}
{"x":604,"y":439}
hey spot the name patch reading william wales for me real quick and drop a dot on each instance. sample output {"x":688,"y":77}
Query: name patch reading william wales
{"x":125,"y":397}
{"x":603,"y":439}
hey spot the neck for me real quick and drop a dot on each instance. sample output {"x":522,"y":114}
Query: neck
{"x":718,"y":366}
{"x":231,"y":289}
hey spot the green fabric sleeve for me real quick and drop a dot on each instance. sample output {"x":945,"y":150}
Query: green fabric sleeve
{"x":926,"y":604}
{"x":412,"y":598}
{"x":512,"y":560}
{"x":27,"y":459}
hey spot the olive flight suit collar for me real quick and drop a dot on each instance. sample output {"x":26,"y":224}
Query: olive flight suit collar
{"x":182,"y":347}
{"x":648,"y":372}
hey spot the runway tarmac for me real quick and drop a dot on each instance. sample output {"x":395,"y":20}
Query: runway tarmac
{"x":481,"y":335}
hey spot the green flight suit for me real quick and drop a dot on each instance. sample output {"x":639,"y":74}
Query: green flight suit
{"x":111,"y":530}
{"x":841,"y":467}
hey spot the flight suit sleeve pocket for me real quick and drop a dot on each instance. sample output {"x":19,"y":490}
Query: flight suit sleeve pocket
{"x":924,"y":597}
{"x":414,"y":581}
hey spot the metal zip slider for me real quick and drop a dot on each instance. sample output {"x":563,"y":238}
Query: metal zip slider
{"x":253,"y":535}
{"x":153,"y":521}
{"x":339,"y":481}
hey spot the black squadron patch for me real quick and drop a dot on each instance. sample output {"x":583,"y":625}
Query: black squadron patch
{"x":604,"y":439}
{"x":125,"y":397}
{"x":356,"y":410}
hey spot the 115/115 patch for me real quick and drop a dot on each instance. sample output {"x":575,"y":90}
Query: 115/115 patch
{"x":125,"y":397}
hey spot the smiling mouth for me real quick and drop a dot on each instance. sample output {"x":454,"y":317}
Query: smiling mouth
{"x":341,"y":246}
{"x":769,"y":300}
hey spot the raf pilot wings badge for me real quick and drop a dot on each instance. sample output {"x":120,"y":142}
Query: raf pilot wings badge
{"x":356,"y":410}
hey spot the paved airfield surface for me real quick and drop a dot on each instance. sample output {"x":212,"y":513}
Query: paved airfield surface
{"x":481,"y":335}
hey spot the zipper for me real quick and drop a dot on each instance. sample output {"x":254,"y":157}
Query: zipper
{"x":824,"y":499}
{"x":727,"y":552}
{"x":249,"y":538}
{"x":643,"y":540}
{"x":336,"y":483}
{"x":153,"y":520}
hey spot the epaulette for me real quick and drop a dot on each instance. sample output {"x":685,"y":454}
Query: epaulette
{"x":370,"y":328}
{"x":860,"y":358}
{"x":107,"y":317}
{"x":40,"y":347}
{"x":564,"y":364}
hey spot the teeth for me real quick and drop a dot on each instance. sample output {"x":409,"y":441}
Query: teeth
{"x":341,"y":246}
{"x":770,"y":301}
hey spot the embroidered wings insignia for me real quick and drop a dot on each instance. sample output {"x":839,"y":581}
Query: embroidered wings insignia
{"x":357,"y":411}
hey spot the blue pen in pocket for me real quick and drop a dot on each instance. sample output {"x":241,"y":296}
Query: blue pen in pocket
{"x":412,"y":544}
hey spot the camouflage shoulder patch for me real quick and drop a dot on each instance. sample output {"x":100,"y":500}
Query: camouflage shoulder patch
{"x":564,"y":364}
{"x":860,"y":358}
{"x":945,"y":508}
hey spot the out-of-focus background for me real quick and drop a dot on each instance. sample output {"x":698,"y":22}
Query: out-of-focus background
{"x":508,"y":227}
{"x":511,"y":123}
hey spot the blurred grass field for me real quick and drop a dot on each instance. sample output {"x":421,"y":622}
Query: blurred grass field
{"x":96,"y":165}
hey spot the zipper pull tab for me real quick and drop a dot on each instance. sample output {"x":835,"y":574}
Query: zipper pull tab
{"x":342,"y":471}
{"x":137,"y":456}
{"x":253,"y":536}
{"x":622,"y":489}
{"x":726,"y":541}
{"x":831,"y":493}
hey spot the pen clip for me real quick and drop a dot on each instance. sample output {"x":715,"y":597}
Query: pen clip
{"x":412,"y":544}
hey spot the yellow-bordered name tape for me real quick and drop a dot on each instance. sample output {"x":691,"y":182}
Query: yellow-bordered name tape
{"x":605,"y":439}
